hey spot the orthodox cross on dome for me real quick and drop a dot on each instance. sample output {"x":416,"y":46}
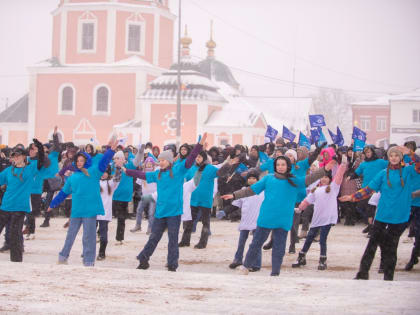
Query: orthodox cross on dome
{"x":211,"y":44}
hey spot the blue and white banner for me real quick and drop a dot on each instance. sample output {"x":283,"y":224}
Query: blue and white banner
{"x":271,"y":133}
{"x":287,"y":134}
{"x":316,"y":120}
{"x":358,"y":145}
{"x":358,"y":134}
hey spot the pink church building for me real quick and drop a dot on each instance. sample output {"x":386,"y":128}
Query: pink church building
{"x":111,"y":70}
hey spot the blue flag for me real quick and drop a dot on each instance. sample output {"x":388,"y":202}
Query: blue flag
{"x":322,"y":138}
{"x":287,"y":134}
{"x":340,"y":138}
{"x":315,"y":135}
{"x":271,"y":133}
{"x":333,"y":136}
{"x":358,"y":134}
{"x":316,"y":120}
{"x":263,"y":157}
{"x":304,"y":141}
{"x":358,"y":145}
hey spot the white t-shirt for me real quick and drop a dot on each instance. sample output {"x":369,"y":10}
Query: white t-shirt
{"x":250,"y":209}
{"x":325,"y":205}
{"x":189,"y":187}
{"x":107,"y":198}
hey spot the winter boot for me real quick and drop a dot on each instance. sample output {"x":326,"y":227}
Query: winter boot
{"x":186,"y":236}
{"x":5,"y":248}
{"x":269,"y":245}
{"x":292,"y":249}
{"x":203,"y":239}
{"x":362,"y":275}
{"x":322,"y":263}
{"x":102,"y":248}
{"x":413,"y":260}
{"x":46,"y":223}
{"x":301,"y":260}
{"x":234,"y":264}
{"x":136,"y":228}
{"x":66,"y":225}
{"x":143,"y":265}
{"x":367,"y":229}
{"x":303,"y":234}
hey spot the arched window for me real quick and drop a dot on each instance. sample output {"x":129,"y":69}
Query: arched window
{"x":66,"y":99}
{"x":101,"y":100}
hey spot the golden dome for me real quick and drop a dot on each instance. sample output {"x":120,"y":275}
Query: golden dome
{"x":186,"y":41}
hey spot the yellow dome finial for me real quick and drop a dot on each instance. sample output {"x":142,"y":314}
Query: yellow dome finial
{"x":186,"y":41}
{"x":211,"y":44}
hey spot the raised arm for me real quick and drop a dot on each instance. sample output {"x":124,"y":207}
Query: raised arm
{"x":194,"y":153}
{"x":135,"y":173}
{"x":107,"y":157}
{"x":313,"y":156}
{"x":56,"y":141}
{"x":311,"y":178}
{"x":341,"y":170}
{"x":139,"y":156}
{"x":41,"y":154}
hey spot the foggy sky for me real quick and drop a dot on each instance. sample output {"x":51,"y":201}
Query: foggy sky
{"x":356,"y":45}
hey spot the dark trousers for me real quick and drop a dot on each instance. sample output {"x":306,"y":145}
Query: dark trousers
{"x":188,"y":225}
{"x":323,"y":230}
{"x":103,"y":230}
{"x":120,"y":209}
{"x":48,"y":199}
{"x":158,"y":227}
{"x":307,"y":217}
{"x":277,"y":253}
{"x":36,"y":210}
{"x":294,"y":231}
{"x":386,"y":236}
{"x":243,"y":236}
{"x":15,"y":219}
{"x":415,"y":222}
{"x":348,"y":210}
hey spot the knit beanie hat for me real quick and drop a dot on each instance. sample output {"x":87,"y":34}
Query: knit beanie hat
{"x":292,"y":153}
{"x":119,"y":154}
{"x":167,"y":155}
{"x":395,"y":150}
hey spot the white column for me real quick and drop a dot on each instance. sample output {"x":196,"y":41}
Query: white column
{"x":32,"y":105}
{"x":63,"y":36}
{"x":110,"y":35}
{"x":156,"y":37}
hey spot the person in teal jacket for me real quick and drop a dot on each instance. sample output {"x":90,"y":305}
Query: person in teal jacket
{"x":123,"y":194}
{"x":368,"y":169}
{"x":169,"y":204}
{"x":84,"y":187}
{"x":276,"y":213}
{"x":395,"y":184}
{"x":19,"y":179}
{"x":204,"y":175}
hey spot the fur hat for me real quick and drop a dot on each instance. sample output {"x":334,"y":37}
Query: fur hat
{"x":292,"y":153}
{"x":167,"y":155}
{"x":395,"y":150}
{"x":119,"y":154}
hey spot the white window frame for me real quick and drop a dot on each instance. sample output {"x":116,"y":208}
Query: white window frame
{"x":95,"y":90}
{"x":142,"y":25}
{"x":378,"y":120}
{"x":418,"y":115}
{"x":60,"y":100}
{"x":81,"y":21}
{"x":364,"y":119}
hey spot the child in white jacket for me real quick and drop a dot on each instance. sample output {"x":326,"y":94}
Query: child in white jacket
{"x":250,"y":209}
{"x":108,"y":186}
{"x":324,"y":198}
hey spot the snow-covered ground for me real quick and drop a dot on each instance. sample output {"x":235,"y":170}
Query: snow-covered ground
{"x":203,"y":282}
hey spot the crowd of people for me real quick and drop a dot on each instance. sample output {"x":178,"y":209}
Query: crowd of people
{"x":273,"y":190}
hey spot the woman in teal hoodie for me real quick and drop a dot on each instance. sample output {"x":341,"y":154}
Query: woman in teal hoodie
{"x":19,"y":179}
{"x":169,"y":203}
{"x":84,"y":187}
{"x":395,"y":183}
